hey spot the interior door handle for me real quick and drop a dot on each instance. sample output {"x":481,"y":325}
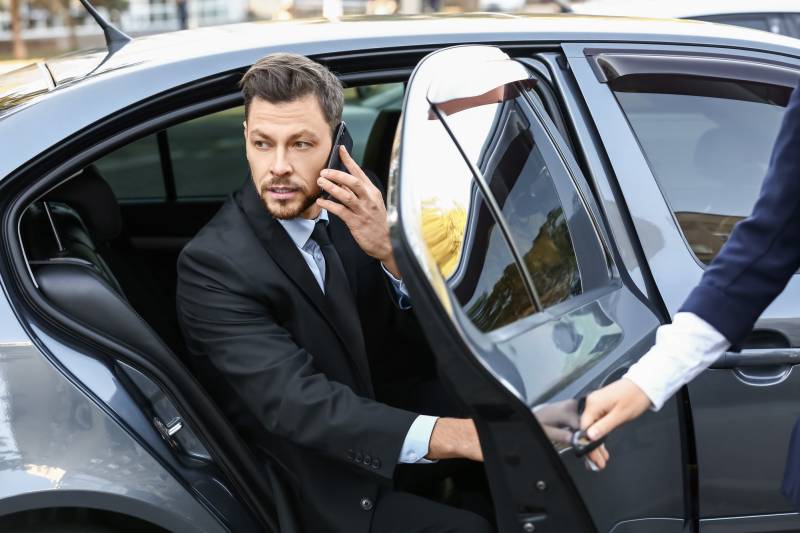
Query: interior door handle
{"x":752,"y":357}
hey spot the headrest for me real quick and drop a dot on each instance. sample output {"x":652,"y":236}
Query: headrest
{"x":91,"y":196}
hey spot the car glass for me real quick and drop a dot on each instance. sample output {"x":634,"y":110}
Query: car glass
{"x":208,"y":154}
{"x":756,"y":22}
{"x":499,"y":139}
{"x":461,"y":238}
{"x":708,"y":144}
{"x":134,"y":171}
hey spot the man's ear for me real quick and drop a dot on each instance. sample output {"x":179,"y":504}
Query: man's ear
{"x":244,"y":125}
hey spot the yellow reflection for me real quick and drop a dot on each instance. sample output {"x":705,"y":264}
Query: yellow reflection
{"x":443,"y":231}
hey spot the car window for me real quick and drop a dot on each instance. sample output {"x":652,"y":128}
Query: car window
{"x":134,"y":171}
{"x":362,"y":107}
{"x":708,"y":144}
{"x":498,"y":138}
{"x":208,"y":154}
{"x":462,"y":238}
{"x":755,"y":21}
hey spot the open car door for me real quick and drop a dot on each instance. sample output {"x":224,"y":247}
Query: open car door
{"x":513,"y":277}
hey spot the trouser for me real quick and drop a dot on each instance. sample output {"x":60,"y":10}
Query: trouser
{"x":401,"y":512}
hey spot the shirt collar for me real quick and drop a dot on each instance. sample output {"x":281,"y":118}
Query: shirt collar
{"x":299,"y":229}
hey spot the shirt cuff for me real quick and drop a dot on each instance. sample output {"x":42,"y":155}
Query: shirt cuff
{"x":400,"y":291}
{"x":682,"y":350}
{"x":418,"y":439}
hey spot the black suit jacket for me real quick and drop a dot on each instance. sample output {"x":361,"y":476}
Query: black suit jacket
{"x":290,"y":367}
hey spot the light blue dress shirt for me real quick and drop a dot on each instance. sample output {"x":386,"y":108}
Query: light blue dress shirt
{"x":415,"y":445}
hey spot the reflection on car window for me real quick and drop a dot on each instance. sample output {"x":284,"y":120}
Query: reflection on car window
{"x":499,"y":140}
{"x":709,"y":147}
{"x":134,"y":171}
{"x":460,"y":234}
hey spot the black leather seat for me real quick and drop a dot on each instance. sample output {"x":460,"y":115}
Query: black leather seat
{"x":68,"y":240}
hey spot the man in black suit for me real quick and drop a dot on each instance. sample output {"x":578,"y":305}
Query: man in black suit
{"x":281,"y":297}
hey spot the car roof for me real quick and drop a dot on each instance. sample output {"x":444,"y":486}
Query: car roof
{"x":90,"y":86}
{"x":684,"y":8}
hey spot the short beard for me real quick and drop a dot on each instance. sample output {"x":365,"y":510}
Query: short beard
{"x":285,"y":212}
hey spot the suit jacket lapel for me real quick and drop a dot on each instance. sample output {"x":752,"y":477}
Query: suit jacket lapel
{"x":342,"y":316}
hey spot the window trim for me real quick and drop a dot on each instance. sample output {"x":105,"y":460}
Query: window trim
{"x":610,"y":66}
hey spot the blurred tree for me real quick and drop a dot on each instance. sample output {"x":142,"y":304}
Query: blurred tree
{"x":18,"y":45}
{"x":71,"y":11}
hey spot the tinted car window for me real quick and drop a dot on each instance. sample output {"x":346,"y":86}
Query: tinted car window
{"x":498,"y":138}
{"x":134,"y":171}
{"x":208,"y":157}
{"x":708,"y":145}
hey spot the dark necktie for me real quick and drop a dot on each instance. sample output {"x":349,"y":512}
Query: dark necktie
{"x":341,"y":300}
{"x":336,"y":284}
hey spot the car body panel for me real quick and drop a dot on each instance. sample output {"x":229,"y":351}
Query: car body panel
{"x":151,"y":65}
{"x":58,"y":448}
{"x":728,"y":406}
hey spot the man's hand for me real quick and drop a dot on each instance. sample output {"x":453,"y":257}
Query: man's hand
{"x":559,"y":421}
{"x":613,"y":405}
{"x":454,"y":438}
{"x":360,"y":206}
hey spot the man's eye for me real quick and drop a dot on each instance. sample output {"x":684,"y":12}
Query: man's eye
{"x":260,"y":144}
{"x":302,"y":145}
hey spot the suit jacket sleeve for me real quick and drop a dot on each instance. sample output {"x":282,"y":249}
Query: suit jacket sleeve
{"x":763,"y":251}
{"x":275,"y":377}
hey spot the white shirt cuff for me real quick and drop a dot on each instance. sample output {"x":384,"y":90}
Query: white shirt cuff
{"x":682,"y":350}
{"x":403,"y":299}
{"x":418,"y":439}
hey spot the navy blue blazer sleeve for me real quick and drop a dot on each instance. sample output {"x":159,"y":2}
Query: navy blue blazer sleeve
{"x":763,"y":251}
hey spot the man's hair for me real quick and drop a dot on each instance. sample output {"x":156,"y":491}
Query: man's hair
{"x":284,"y":77}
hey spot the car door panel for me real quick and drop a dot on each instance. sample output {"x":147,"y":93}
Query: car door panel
{"x":541,"y":358}
{"x":744,"y":410}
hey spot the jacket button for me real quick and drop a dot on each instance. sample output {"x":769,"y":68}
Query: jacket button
{"x":359,"y":457}
{"x":376,"y":463}
{"x":367,"y":459}
{"x":366,"y":504}
{"x":351,"y":455}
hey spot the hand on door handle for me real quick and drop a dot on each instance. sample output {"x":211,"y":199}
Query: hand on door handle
{"x":610,"y":407}
{"x":560,"y":421}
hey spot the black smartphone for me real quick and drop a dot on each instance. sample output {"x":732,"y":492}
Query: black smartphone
{"x":341,"y":137}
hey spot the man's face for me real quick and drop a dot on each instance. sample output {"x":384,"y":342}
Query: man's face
{"x":287,"y":147}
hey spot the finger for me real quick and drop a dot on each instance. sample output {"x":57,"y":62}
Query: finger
{"x":337,"y":209}
{"x":597,"y":457}
{"x":343,"y":179}
{"x":558,"y":435}
{"x":606,"y":424}
{"x":592,"y":411}
{"x":342,"y":194}
{"x":351,"y":164}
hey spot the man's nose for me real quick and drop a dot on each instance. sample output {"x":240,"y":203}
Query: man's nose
{"x":281,"y":164}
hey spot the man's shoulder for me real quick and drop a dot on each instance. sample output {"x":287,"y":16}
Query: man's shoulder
{"x":224,"y":236}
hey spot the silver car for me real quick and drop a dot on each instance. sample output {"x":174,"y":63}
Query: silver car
{"x":555,"y":189}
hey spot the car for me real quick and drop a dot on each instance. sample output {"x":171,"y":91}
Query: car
{"x":555,"y":187}
{"x":776,"y":16}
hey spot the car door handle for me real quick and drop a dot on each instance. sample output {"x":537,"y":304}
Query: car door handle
{"x":753,"y":357}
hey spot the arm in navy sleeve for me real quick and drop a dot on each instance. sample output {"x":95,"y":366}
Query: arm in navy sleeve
{"x":763,"y":251}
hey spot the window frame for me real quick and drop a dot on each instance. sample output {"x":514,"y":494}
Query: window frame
{"x":587,"y":261}
{"x":666,"y":197}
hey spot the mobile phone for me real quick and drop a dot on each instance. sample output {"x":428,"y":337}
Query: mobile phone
{"x":341,"y":137}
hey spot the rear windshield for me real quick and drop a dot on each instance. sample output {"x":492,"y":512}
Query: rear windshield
{"x":21,"y":85}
